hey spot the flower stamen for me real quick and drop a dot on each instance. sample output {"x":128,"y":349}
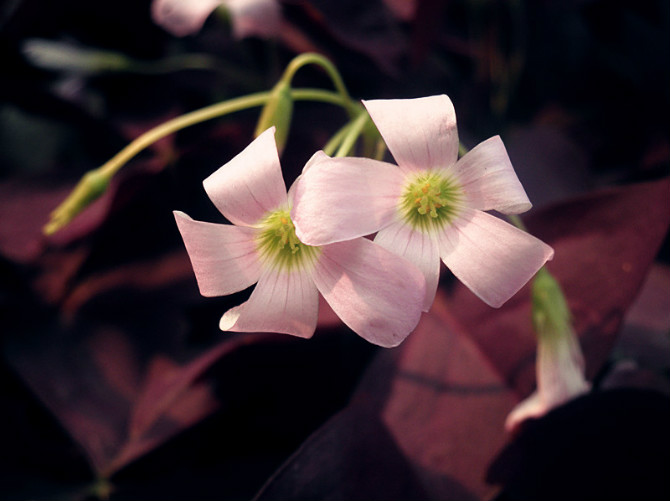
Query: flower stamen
{"x":431,"y":195}
{"x":278,"y":244}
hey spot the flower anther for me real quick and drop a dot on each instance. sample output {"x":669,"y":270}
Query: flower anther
{"x":430,"y":200}
{"x":279,"y":247}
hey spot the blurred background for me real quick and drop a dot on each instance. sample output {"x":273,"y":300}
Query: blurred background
{"x":115,"y":380}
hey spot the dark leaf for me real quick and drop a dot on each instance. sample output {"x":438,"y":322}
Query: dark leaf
{"x":604,"y":244}
{"x":443,"y":407}
{"x":605,"y":445}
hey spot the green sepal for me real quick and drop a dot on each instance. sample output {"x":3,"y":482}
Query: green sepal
{"x":551,"y":314}
{"x":90,"y":187}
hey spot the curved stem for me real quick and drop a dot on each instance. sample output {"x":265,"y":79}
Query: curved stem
{"x":314,"y":58}
{"x":181,"y":122}
{"x":95,"y":182}
{"x":204,"y":114}
{"x":319,"y":95}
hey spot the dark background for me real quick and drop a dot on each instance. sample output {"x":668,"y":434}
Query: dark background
{"x":114,"y":378}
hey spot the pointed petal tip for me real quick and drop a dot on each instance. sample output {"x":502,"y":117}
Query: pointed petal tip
{"x":181,"y":215}
{"x":249,"y":185}
{"x":492,"y":258}
{"x":229,"y":319}
{"x":285,"y":303}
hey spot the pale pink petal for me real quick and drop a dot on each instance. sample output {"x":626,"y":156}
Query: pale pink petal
{"x":421,"y":249}
{"x":530,"y":407}
{"x":560,"y":377}
{"x":488,"y":179}
{"x":251,"y":184}
{"x":560,"y":367}
{"x":421,"y":133}
{"x":182,"y":17}
{"x":338,"y":199}
{"x":223,"y":256}
{"x":491,"y":257}
{"x":377,"y":294}
{"x":254,"y":17}
{"x":315,"y":159}
{"x":285,"y":302}
{"x":318,"y":157}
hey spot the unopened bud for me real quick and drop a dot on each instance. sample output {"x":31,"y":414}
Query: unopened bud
{"x":277,"y":112}
{"x":90,"y":187}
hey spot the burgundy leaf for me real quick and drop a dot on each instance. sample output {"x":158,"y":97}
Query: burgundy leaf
{"x":445,"y":392}
{"x":604,"y":244}
{"x":351,"y":457}
{"x":446,"y":407}
{"x":165,"y":383}
{"x":443,"y":407}
{"x":185,"y":408}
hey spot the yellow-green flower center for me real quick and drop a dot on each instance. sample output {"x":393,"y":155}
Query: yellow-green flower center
{"x":279,"y":246}
{"x":430,"y":200}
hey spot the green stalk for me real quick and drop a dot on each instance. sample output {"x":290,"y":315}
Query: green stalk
{"x":95,"y":182}
{"x":352,"y":134}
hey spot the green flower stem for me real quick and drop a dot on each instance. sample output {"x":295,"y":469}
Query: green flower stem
{"x":95,"y":182}
{"x":336,"y":140}
{"x":314,"y":58}
{"x":208,"y":113}
{"x":319,"y":95}
{"x":181,"y":122}
{"x":352,"y":134}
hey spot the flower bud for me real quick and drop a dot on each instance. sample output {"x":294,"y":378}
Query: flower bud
{"x":90,"y":187}
{"x":277,"y":112}
{"x":560,"y":363}
{"x":64,"y":56}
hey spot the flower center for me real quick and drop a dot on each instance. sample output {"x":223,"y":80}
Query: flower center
{"x":278,"y":245}
{"x":431,"y":200}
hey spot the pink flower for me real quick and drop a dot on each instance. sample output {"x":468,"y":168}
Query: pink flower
{"x":559,"y":366}
{"x":249,"y":17}
{"x":376,"y":293}
{"x":430,"y":206}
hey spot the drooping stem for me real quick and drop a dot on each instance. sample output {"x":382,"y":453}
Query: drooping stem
{"x":314,"y":58}
{"x":95,"y":182}
{"x":181,"y":122}
{"x":205,"y":114}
